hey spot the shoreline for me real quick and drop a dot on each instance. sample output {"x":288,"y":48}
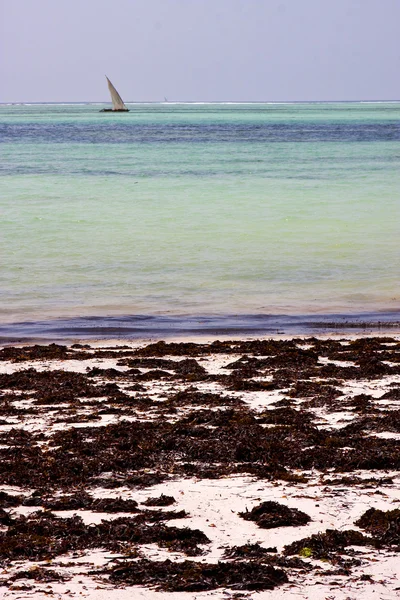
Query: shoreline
{"x":141,"y":326}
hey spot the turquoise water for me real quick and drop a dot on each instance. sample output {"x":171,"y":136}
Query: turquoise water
{"x":199,"y":209}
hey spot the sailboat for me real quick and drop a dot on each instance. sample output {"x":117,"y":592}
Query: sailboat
{"x":118,"y":103}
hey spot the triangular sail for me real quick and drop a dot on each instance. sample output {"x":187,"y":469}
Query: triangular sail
{"x":118,"y":103}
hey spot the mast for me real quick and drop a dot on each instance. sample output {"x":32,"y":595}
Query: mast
{"x":118,"y":103}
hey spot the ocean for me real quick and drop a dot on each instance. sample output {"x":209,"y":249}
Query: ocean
{"x":198,"y":217}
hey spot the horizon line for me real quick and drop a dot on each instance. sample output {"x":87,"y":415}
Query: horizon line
{"x":22,"y":102}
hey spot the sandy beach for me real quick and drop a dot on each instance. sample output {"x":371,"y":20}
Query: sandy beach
{"x":201,"y":468}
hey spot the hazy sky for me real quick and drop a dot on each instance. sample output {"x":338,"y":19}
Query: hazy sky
{"x":60,"y":50}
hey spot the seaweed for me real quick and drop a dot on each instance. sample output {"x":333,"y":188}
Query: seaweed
{"x":269,"y":515}
{"x":265,"y":555}
{"x":5,"y":518}
{"x":236,"y":383}
{"x":216,"y":442}
{"x":83,"y":500}
{"x":147,"y":363}
{"x":191,"y":576}
{"x":53,"y":386}
{"x":141,"y":479}
{"x":7,"y":500}
{"x":39,"y":352}
{"x":43,"y":536}
{"x":393,"y":394}
{"x":249,"y":551}
{"x":286,"y":416}
{"x":327,"y":545}
{"x":367,"y":482}
{"x":305,"y":389}
{"x":160,"y":501}
{"x":194,"y":397}
{"x":104,"y":373}
{"x":41,"y":574}
{"x":383,"y":525}
{"x":255,"y":347}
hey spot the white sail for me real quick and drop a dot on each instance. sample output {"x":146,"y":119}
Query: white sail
{"x":118,"y":103}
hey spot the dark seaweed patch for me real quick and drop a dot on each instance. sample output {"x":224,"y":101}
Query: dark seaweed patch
{"x":37,"y":352}
{"x":393,"y":394}
{"x":39,"y":574}
{"x":191,"y":576}
{"x":248,"y":551}
{"x":384,"y":525}
{"x":327,"y":545}
{"x":194,"y":397}
{"x":43,"y":535}
{"x":105,"y":373}
{"x":364,"y":482}
{"x":140,"y":479}
{"x":7,"y":500}
{"x":286,"y":416}
{"x":377,"y":422}
{"x":83,"y":500}
{"x":236,"y":383}
{"x":5,"y":518}
{"x":52,"y":386}
{"x":147,"y":363}
{"x":265,"y":555}
{"x":160,"y":501}
{"x":306,"y":389}
{"x":269,"y":515}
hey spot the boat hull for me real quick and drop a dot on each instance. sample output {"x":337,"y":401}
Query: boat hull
{"x":114,"y":110}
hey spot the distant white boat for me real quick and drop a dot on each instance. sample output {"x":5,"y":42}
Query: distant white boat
{"x":118,"y":103}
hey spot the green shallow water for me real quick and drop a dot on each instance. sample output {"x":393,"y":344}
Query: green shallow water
{"x":199,"y":209}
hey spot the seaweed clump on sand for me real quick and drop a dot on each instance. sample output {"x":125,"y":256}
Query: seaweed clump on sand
{"x":43,"y":536}
{"x":41,"y":574}
{"x":328,"y":545}
{"x":41,"y":352}
{"x":366,"y":482}
{"x":52,"y":387}
{"x":82,"y":500}
{"x":269,"y":515}
{"x":7,"y":500}
{"x":194,"y":397}
{"x":265,"y":555}
{"x":189,"y":576}
{"x":160,"y":501}
{"x":383,"y":525}
{"x":249,"y":551}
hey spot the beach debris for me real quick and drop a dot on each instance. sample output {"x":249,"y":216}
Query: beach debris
{"x":268,"y":556}
{"x":383,"y":525}
{"x":41,"y":574}
{"x":189,"y":576}
{"x":269,"y":515}
{"x":248,"y":551}
{"x":328,"y":545}
{"x":161,"y":500}
{"x":42,"y":535}
{"x":7,"y":500}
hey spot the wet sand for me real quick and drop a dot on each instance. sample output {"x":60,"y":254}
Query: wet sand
{"x":257,"y":468}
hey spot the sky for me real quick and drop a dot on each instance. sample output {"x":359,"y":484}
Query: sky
{"x":199,"y":50}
